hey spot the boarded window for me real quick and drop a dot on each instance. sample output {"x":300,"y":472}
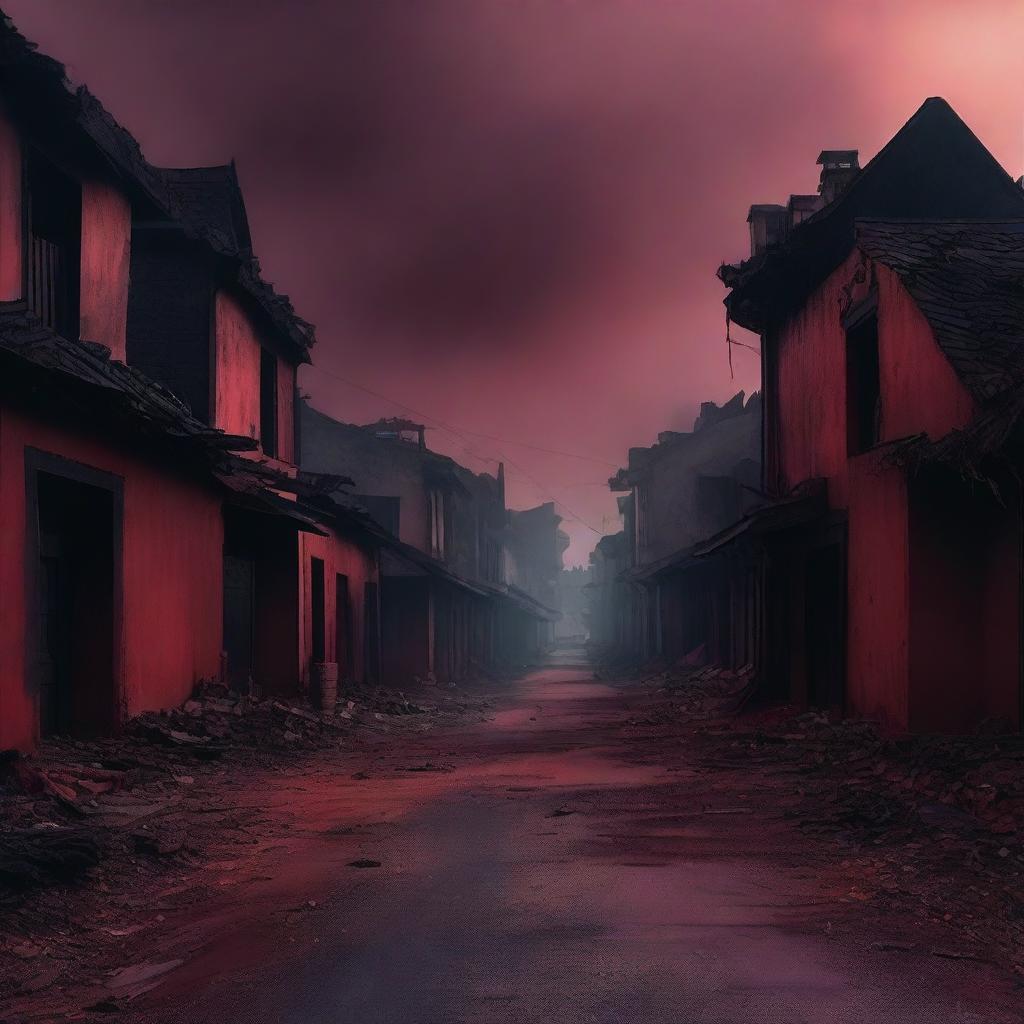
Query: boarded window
{"x":268,"y":403}
{"x":863,"y":393}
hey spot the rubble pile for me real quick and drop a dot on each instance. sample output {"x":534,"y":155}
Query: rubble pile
{"x":707,"y":691}
{"x":927,"y":823}
{"x":77,"y":802}
{"x":217,"y":717}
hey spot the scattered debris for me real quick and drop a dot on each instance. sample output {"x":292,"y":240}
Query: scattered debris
{"x":364,"y":863}
{"x":98,"y":831}
{"x":930,"y":824}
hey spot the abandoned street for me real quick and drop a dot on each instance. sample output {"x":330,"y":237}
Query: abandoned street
{"x":567,"y":856}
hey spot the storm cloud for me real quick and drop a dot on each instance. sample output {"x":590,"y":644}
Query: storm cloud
{"x":508,"y":215}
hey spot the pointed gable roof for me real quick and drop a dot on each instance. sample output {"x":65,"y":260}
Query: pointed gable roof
{"x":933,"y":168}
{"x":211,"y":196}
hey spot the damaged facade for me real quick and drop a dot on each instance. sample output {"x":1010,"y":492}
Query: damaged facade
{"x":891,"y":337}
{"x":680,"y":491}
{"x":158,"y":528}
{"x":448,"y":605}
{"x":872,"y":562}
{"x":536,"y":544}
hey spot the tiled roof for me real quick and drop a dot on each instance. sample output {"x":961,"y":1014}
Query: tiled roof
{"x":967,"y":277}
{"x":180,"y":194}
{"x":211,"y":196}
{"x":124,"y":390}
{"x":933,"y":167}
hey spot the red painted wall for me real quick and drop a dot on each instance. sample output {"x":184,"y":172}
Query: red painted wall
{"x":878,"y":592}
{"x":172,"y":541}
{"x":106,"y":250}
{"x":919,"y":393}
{"x":964,"y":558}
{"x":236,"y":360}
{"x":285,"y":411}
{"x":11,"y":241}
{"x":340,"y":555}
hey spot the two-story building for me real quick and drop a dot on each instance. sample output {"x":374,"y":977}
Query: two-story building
{"x":141,"y":349}
{"x":680,"y":492}
{"x":536,"y":544}
{"x":446,"y":607}
{"x":892,"y":341}
{"x":609,"y":627}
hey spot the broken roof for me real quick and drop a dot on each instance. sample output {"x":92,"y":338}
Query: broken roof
{"x":933,"y":167}
{"x":967,"y":277}
{"x":110,"y":393}
{"x":711,"y":414}
{"x":124,"y":389}
{"x":205,"y":201}
{"x":211,"y":196}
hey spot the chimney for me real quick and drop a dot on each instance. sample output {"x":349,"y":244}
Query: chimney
{"x":838,"y":168}
{"x":767,"y":227}
{"x":800,"y":208}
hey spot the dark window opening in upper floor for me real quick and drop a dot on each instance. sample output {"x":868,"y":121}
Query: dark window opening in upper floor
{"x":53,"y":250}
{"x":268,"y":402}
{"x":863,"y":389}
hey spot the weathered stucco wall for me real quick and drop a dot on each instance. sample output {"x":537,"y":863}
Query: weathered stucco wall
{"x":171,"y":609}
{"x":878,"y":593}
{"x":677,"y":517}
{"x":11,"y":237}
{"x":965,"y":620}
{"x":339,"y":555}
{"x":106,"y":254}
{"x":919,"y":393}
{"x":236,"y":361}
{"x":919,"y":390}
{"x":386,"y":468}
{"x":285,"y":411}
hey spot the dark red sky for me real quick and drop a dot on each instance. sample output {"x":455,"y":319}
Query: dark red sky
{"x":507,"y":214}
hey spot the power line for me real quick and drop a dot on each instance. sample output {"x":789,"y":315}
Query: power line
{"x":460,"y":434}
{"x":466,"y":430}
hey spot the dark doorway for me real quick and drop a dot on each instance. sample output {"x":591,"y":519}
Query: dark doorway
{"x":75,"y":604}
{"x":318,"y":611}
{"x":343,"y":640}
{"x":824,"y":617}
{"x":239,"y":616}
{"x":371,"y":633}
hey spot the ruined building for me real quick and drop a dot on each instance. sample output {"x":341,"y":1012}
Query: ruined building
{"x":158,"y":529}
{"x":535,"y":547}
{"x":448,"y":607}
{"x":892,"y":336}
{"x":679,"y":492}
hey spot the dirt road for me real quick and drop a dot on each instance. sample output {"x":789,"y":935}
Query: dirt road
{"x":559,"y":862}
